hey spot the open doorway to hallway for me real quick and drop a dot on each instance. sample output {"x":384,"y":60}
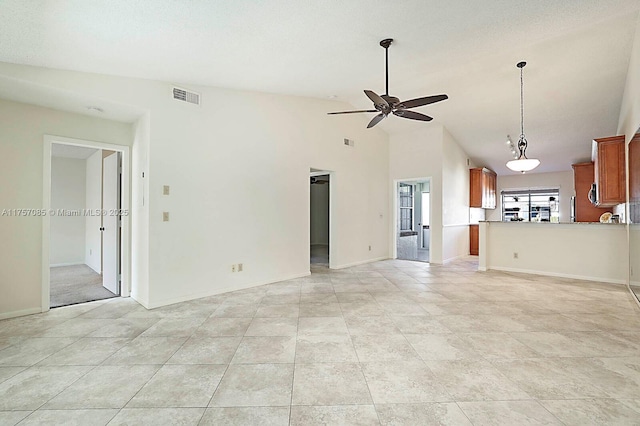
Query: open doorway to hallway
{"x":413,"y":223}
{"x":85,"y":224}
{"x":319,"y":217}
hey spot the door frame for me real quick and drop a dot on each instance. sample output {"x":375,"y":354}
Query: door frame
{"x":125,"y":242}
{"x":321,"y":172}
{"x":394,"y":216}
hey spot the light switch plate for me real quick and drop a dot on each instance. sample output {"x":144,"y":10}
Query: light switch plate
{"x":165,"y":190}
{"x":165,"y":216}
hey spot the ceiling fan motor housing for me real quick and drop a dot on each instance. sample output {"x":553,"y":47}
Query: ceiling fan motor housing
{"x":386,"y":104}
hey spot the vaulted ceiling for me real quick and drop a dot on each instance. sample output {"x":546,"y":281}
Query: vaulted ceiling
{"x":577,"y":52}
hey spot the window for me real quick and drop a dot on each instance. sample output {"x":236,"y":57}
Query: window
{"x":531,"y":205}
{"x":406,"y":207}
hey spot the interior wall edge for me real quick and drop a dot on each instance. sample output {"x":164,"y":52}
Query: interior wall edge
{"x":361,"y":262}
{"x":21,"y":313}
{"x":152,"y":304}
{"x":613,"y":281}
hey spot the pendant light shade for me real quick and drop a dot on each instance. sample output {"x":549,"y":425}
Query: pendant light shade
{"x":522,"y":163}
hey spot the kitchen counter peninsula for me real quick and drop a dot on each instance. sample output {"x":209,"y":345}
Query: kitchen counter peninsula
{"x":581,"y":250}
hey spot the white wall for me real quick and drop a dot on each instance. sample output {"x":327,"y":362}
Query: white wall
{"x":414,"y":155}
{"x":140,"y":211}
{"x":431,"y":152}
{"x":455,"y":199}
{"x":634,"y":258}
{"x":319,"y":213}
{"x":231,"y":174}
{"x":573,"y":250}
{"x":562,"y":180}
{"x":68,"y":177}
{"x":227,"y":170}
{"x":22,"y":128}
{"x":629,"y":120}
{"x":93,"y":236}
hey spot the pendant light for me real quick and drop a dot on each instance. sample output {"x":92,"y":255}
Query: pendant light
{"x":522,"y":163}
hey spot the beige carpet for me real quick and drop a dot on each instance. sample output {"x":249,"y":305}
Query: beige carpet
{"x":76,"y":284}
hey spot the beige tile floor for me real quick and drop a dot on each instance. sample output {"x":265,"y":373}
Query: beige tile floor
{"x":389,"y":343}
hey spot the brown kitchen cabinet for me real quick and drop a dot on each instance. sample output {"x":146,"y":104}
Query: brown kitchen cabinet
{"x":634,"y":179}
{"x":474,"y":240}
{"x":583,"y":178}
{"x":609,"y":170}
{"x":482,"y":188}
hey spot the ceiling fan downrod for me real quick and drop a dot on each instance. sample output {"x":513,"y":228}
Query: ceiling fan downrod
{"x":386,"y":43}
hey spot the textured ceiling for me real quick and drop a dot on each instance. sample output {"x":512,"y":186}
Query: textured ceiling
{"x":577,"y":50}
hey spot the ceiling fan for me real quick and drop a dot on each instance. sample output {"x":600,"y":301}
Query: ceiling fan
{"x":385,"y":104}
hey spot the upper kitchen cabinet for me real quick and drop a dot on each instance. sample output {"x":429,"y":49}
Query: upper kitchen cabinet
{"x":583,"y":178}
{"x":482,"y":188}
{"x":608,"y":157}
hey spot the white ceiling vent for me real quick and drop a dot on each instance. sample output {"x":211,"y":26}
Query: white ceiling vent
{"x":186,"y":96}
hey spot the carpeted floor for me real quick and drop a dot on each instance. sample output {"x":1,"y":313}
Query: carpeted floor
{"x":76,"y":284}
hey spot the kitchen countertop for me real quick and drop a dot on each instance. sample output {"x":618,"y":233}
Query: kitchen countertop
{"x":551,"y":223}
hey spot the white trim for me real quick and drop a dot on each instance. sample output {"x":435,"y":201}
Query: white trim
{"x":456,"y":225}
{"x":30,"y":311}
{"x":452,"y":259}
{"x":635,"y":296}
{"x":57,"y":265}
{"x":559,"y":275}
{"x":193,"y":296}
{"x":361,"y":262}
{"x":125,"y":289}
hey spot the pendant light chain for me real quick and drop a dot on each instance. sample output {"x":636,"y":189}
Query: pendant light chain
{"x":522,"y":163}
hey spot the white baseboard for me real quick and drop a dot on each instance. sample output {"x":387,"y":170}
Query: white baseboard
{"x":362,"y":262}
{"x":193,"y":296}
{"x":135,"y":296}
{"x":558,"y":274}
{"x":56,"y":265}
{"x":30,"y":311}
{"x":451,"y":259}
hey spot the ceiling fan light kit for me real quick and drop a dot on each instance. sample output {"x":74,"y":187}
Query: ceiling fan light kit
{"x":386,"y":104}
{"x":522,"y":163}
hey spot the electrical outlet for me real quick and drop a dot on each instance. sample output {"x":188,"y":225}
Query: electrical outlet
{"x":240,"y":267}
{"x":233,"y":268}
{"x":165,"y":190}
{"x":515,"y":254}
{"x":165,"y":216}
{"x":90,"y":252}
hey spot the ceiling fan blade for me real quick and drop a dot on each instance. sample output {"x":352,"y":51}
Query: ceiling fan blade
{"x":412,"y":115}
{"x":377,"y":100}
{"x":353,"y":112}
{"x":375,"y":120}
{"x":422,"y":101}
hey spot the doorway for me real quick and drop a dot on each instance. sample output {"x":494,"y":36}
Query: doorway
{"x":413,"y":234}
{"x":319,"y":190}
{"x":86,"y":228}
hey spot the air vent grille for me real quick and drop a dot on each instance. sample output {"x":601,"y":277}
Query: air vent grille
{"x":186,"y":96}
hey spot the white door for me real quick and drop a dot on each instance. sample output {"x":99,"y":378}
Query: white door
{"x":111,"y":224}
